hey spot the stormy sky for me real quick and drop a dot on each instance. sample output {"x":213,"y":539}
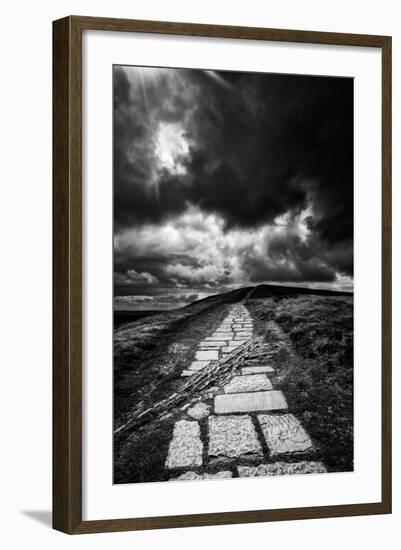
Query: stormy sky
{"x":229,"y":179}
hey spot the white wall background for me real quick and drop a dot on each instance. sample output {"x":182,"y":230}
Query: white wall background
{"x":25,"y":290}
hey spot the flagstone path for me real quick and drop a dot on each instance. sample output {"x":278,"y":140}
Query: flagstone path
{"x":245,"y":429}
{"x":236,"y":328}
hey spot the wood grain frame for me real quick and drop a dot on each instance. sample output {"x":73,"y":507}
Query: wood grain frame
{"x":67,"y":274}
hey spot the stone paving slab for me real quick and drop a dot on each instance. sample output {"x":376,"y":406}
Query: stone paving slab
{"x":249,"y":402}
{"x":250,"y":383}
{"x":232,"y":437}
{"x":212,"y":340}
{"x":233,"y":344}
{"x":193,"y":476}
{"x":198,"y":365}
{"x":207,"y":355}
{"x":256,"y":369}
{"x":227,"y":351}
{"x":185,"y":450}
{"x":199,"y":411}
{"x":282,"y":469}
{"x":284,"y":434}
{"x":211,"y":345}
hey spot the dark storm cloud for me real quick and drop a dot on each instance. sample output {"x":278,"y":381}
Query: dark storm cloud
{"x":253,"y":145}
{"x":142,"y":193}
{"x":258,"y":146}
{"x":289,"y":259}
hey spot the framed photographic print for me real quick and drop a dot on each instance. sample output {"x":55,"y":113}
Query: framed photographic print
{"x":222,"y":272}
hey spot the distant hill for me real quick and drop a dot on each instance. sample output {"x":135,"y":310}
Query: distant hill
{"x":265,"y":291}
{"x":226,"y":297}
{"x":262,"y":291}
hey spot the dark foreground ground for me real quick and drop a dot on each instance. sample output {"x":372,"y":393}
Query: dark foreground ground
{"x":124,"y":317}
{"x":315,"y":371}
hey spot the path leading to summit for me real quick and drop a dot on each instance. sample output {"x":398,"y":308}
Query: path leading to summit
{"x":236,"y":328}
{"x":243,"y":428}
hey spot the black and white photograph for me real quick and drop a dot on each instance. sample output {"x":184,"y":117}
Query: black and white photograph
{"x":233,"y":215}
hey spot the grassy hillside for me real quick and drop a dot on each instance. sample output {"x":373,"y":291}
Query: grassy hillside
{"x":266,"y":291}
{"x":315,"y":366}
{"x":314,"y":369}
{"x":122,"y":317}
{"x":149,"y":356}
{"x":150,"y":353}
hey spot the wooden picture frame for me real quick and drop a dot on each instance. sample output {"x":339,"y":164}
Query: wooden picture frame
{"x":67,"y":274}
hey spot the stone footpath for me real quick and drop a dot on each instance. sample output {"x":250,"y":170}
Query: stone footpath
{"x":236,"y":328}
{"x":244,"y":430}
